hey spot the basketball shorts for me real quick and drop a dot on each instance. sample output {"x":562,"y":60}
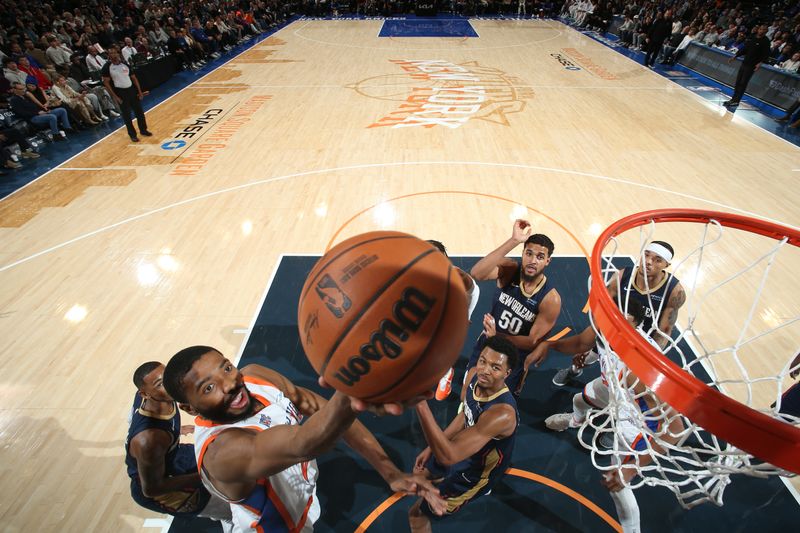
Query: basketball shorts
{"x":458,"y":486}
{"x":630,"y":426}
{"x":188,"y":502}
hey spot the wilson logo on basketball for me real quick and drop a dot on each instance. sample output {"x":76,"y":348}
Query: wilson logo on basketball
{"x":445,"y":94}
{"x":335,"y":299}
{"x":408,"y":314}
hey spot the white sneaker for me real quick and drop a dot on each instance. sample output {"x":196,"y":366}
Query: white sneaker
{"x":113,"y":113}
{"x":560,"y":422}
{"x":62,"y":134}
{"x":103,"y":117}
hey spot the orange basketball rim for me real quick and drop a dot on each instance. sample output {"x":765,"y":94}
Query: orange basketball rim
{"x":760,"y":435}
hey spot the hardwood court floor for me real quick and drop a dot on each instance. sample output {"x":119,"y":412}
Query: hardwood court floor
{"x":130,"y":252}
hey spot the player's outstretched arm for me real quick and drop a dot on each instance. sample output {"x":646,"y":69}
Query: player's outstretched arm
{"x":357,"y":437}
{"x":450,"y":431}
{"x":616,"y":480}
{"x":496,"y":264}
{"x":150,"y":448}
{"x":239,"y":455}
{"x":497,"y":421}
{"x":363,"y":442}
{"x":572,"y":345}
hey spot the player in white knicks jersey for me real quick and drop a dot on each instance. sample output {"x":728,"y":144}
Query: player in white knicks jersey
{"x":250,"y":445}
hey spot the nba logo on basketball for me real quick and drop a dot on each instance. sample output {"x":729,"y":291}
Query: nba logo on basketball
{"x":330,"y":293}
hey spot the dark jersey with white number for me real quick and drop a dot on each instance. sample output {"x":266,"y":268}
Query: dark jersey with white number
{"x":514,"y":313}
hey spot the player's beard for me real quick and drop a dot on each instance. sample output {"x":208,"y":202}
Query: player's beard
{"x":527,"y":278}
{"x":222,"y":415}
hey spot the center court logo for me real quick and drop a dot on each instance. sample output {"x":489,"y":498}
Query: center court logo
{"x":435,"y":92}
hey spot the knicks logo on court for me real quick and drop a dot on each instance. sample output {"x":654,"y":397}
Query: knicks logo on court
{"x":435,"y":92}
{"x":335,"y":299}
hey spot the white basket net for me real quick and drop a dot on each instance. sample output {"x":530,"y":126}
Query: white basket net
{"x":740,"y":334}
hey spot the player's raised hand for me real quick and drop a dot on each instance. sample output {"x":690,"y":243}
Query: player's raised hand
{"x":489,"y":328}
{"x":380,"y":409}
{"x":522,"y":230}
{"x":616,"y":480}
{"x":416,"y":484}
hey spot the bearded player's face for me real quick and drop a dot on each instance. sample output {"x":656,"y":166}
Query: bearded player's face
{"x":215,"y":389}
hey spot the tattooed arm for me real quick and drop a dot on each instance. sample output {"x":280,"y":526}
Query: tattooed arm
{"x":669,"y":315}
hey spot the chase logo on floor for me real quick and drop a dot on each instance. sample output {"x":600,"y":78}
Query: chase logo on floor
{"x":194,"y":129}
{"x":568,"y":65}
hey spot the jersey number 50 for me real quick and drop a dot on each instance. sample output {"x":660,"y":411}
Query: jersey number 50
{"x":509,"y":322}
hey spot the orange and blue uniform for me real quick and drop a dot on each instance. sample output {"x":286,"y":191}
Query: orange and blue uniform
{"x":285,"y":502}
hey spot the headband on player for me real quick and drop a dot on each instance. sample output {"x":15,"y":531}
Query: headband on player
{"x":660,"y":251}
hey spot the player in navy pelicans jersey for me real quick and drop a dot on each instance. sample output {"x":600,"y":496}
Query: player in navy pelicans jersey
{"x":471,"y":455}
{"x":251,"y":448}
{"x":659,"y":292}
{"x":163,"y":472}
{"x":526,"y":305}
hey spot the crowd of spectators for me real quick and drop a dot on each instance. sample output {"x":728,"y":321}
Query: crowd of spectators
{"x":718,"y":23}
{"x":665,"y":29}
{"x":53,"y":54}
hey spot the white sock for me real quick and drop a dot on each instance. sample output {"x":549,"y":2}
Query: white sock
{"x":579,"y":408}
{"x":627,"y":510}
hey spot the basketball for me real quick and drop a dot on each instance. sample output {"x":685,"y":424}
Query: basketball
{"x":382,"y":316}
